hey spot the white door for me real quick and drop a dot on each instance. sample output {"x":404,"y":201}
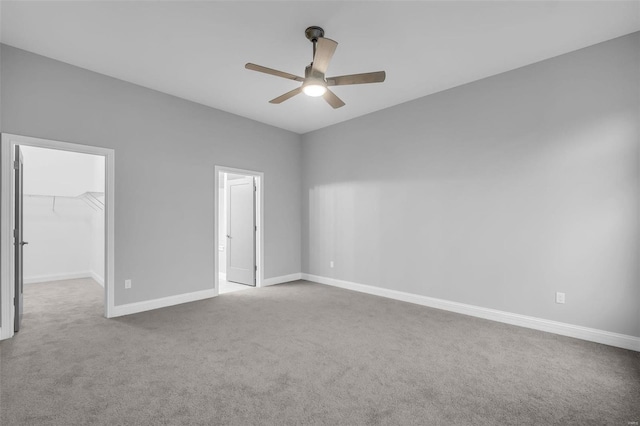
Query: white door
{"x":241,"y":231}
{"x":17,"y":241}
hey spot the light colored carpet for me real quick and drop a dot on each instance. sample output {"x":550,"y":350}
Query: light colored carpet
{"x":300,"y":353}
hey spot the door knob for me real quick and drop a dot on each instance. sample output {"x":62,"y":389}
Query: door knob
{"x":228,"y":236}
{"x":24,"y":242}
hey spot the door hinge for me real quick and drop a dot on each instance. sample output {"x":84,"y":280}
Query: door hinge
{"x":256,"y":267}
{"x":16,"y":165}
{"x":15,"y":233}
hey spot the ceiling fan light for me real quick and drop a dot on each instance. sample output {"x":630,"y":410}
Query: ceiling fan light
{"x":314,"y":89}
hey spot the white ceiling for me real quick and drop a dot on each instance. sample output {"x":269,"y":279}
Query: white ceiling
{"x":197,"y":50}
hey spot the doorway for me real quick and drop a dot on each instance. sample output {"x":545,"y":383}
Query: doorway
{"x":62,"y":241}
{"x":238,"y":224}
{"x":69,"y":217}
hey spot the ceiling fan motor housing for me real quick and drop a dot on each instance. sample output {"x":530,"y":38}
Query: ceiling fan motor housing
{"x":309,"y":73}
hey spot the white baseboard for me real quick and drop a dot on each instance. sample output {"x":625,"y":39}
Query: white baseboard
{"x":148,"y":305}
{"x":564,"y":329}
{"x":56,"y":277}
{"x":97,"y":278}
{"x":282,"y":279}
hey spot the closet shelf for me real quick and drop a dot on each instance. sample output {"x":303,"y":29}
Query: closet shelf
{"x":90,"y":198}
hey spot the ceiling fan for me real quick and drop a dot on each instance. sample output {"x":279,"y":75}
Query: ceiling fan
{"x":314,"y":82}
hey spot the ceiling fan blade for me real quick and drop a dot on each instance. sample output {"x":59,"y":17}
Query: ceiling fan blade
{"x":332,"y":99}
{"x":286,"y":96}
{"x":369,"y":77}
{"x":271,"y":71}
{"x":325,"y":48}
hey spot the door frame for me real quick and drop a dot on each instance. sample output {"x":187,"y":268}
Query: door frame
{"x":7,"y":201}
{"x":259,"y":180}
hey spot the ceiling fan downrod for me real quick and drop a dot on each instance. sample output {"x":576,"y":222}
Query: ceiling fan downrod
{"x":313,"y":33}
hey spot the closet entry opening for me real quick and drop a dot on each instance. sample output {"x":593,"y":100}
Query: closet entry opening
{"x":61,"y":216}
{"x":238,"y":230}
{"x":57,"y":221}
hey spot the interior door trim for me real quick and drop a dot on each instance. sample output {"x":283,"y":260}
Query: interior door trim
{"x":259,"y":182}
{"x":7,"y":272}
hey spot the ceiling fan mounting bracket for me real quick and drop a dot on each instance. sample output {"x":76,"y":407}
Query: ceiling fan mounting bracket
{"x":314,"y":33}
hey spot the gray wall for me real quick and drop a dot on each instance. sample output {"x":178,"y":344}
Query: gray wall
{"x":166,"y":149}
{"x":497,"y":193}
{"x":0,"y":67}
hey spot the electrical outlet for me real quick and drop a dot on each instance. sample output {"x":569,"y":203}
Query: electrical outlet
{"x":559,"y":297}
{"x":331,"y":264}
{"x":127,"y":283}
